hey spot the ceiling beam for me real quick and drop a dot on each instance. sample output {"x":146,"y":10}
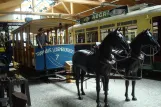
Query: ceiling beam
{"x":57,"y":4}
{"x":10,"y":4}
{"x":66,"y":8}
{"x":8,"y":10}
{"x":12,"y":20}
{"x":72,"y":8}
{"x":82,"y":2}
{"x":35,"y":13}
{"x":57,"y":10}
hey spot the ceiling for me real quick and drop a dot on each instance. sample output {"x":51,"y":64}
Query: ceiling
{"x":72,"y":9}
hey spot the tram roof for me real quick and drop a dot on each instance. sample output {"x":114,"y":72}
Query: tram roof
{"x":46,"y":23}
{"x":145,"y":11}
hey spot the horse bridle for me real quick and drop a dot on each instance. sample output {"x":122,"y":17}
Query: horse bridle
{"x":154,"y":48}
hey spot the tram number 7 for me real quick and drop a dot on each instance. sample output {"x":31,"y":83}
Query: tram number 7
{"x":57,"y":56}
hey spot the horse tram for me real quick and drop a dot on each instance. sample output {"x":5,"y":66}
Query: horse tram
{"x":37,"y":62}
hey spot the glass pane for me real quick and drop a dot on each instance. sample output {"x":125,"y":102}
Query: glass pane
{"x":92,"y":36}
{"x":80,"y":38}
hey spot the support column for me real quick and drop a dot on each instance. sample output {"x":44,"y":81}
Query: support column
{"x":66,"y":35}
{"x":21,"y":46}
{"x":60,"y":36}
{"x":56,"y":37}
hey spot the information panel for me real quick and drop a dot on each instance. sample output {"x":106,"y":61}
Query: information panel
{"x":54,"y":57}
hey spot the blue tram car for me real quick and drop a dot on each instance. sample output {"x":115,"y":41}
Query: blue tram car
{"x":28,"y":57}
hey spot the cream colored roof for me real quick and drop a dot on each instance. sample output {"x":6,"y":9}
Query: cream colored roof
{"x":46,"y":23}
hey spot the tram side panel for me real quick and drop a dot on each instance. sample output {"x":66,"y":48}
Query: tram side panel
{"x":54,"y":57}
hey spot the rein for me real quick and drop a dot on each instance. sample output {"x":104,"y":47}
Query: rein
{"x":152,"y":47}
{"x":141,"y":62}
{"x":123,"y":57}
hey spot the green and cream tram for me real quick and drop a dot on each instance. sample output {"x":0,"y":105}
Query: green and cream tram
{"x":131,"y":23}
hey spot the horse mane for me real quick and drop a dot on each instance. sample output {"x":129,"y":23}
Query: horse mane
{"x":105,"y":41}
{"x":104,"y":47}
{"x":137,"y":38}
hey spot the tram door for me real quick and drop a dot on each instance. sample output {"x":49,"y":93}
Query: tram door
{"x":156,"y":21}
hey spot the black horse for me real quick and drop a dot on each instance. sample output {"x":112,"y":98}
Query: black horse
{"x":133,"y":63}
{"x":97,"y":62}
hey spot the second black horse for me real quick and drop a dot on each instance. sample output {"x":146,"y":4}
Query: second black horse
{"x":133,"y":63}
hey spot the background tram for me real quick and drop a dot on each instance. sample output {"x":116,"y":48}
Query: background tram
{"x":131,"y":24}
{"x":28,"y":56}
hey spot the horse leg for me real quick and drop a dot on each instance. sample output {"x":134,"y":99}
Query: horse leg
{"x":98,"y":90}
{"x":82,"y":80}
{"x":127,"y":86}
{"x":77,"y":76}
{"x":106,"y":79}
{"x":133,"y":87}
{"x":133,"y":91}
{"x":103,"y":82}
{"x":126,"y":92}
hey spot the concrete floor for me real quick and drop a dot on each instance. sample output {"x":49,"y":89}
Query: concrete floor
{"x":62,"y":94}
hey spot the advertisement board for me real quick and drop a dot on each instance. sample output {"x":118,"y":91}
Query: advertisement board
{"x":54,"y":57}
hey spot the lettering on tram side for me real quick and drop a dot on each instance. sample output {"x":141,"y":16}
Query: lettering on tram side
{"x":104,"y":14}
{"x":55,"y":49}
{"x":100,"y":15}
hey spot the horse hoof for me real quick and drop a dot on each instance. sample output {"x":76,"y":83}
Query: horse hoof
{"x":47,"y":81}
{"x":107,"y":105}
{"x":134,"y":99}
{"x":83,"y":94}
{"x":80,"y":98}
{"x":127,"y":99}
{"x":99,"y":105}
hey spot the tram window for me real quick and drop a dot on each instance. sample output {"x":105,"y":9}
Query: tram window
{"x":34,"y":40}
{"x":155,"y":30}
{"x":105,"y":32}
{"x":129,"y":32}
{"x":14,"y":36}
{"x":24,"y":36}
{"x":51,"y":39}
{"x":92,"y":36}
{"x":31,"y":41}
{"x":18,"y":36}
{"x":70,"y":38}
{"x":80,"y":37}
